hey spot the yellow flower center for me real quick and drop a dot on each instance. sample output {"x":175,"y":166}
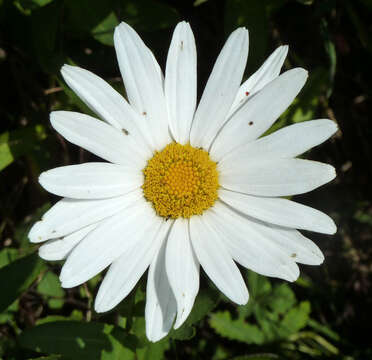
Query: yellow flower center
{"x":180,"y":181}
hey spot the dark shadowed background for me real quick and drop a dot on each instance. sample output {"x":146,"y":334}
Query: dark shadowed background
{"x":327,"y":313}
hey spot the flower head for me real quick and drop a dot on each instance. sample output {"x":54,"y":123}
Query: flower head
{"x":183,"y":185}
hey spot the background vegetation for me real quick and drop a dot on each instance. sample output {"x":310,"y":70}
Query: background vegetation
{"x":325,"y":314}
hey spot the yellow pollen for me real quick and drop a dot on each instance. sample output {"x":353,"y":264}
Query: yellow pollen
{"x":180,"y":181}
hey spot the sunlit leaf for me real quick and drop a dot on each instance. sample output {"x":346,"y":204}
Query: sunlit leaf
{"x":104,"y":31}
{"x":153,"y":351}
{"x":235,"y":329}
{"x":50,"y":285}
{"x":282,"y":298}
{"x":7,"y":256}
{"x":19,"y":142}
{"x":295,"y":319}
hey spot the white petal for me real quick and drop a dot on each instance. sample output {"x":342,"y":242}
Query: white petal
{"x":250,"y":243}
{"x":58,"y":249}
{"x":269,"y":70}
{"x":288,"y":142}
{"x":70,"y":215}
{"x":99,"y":138}
{"x":107,"y":242}
{"x":259,"y":112}
{"x":220,"y":91}
{"x":180,"y":82}
{"x":182,"y":269}
{"x":281,"y":212}
{"x":274,"y":177}
{"x":125,"y":271}
{"x":297,"y":246}
{"x":216,"y":260}
{"x":91,"y":180}
{"x":105,"y":101}
{"x":161,"y":305}
{"x":143,"y":82}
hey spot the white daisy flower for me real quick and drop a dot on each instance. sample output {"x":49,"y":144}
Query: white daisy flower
{"x":184,"y":186}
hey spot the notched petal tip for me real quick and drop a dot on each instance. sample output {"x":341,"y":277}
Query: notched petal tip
{"x":290,"y":271}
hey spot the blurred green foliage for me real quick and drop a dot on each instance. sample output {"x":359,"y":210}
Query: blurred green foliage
{"x":325,"y":317}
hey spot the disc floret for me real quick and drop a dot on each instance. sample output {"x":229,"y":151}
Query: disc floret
{"x":180,"y":181}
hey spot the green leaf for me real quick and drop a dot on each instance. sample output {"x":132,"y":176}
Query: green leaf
{"x":8,"y":314}
{"x":320,"y":328}
{"x":19,"y":142}
{"x":205,"y":302}
{"x":76,"y":315}
{"x":18,"y":276}
{"x":305,"y":107}
{"x":295,"y":319}
{"x":104,"y":31}
{"x":84,"y":15}
{"x":76,"y":340}
{"x":42,"y":2}
{"x":154,"y":351}
{"x":50,"y":285}
{"x":235,"y":329}
{"x":259,"y":286}
{"x":185,"y":332}
{"x":56,"y":303}
{"x":7,"y":256}
{"x":282,"y":298}
{"x":31,"y":4}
